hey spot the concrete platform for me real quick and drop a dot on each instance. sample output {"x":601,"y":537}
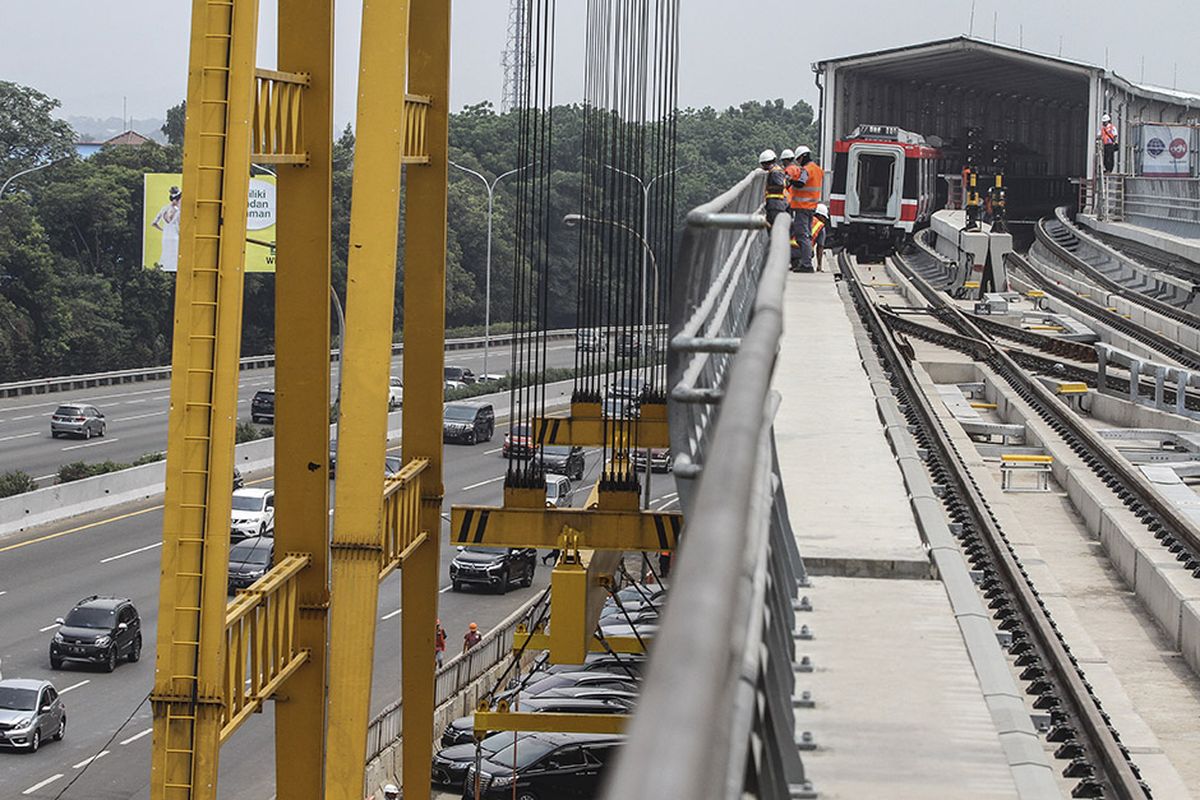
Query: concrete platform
{"x":840,"y":475}
{"x":897,"y":710}
{"x":1180,"y":246}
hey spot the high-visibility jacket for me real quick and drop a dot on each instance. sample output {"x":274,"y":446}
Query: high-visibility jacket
{"x":1108,"y":133}
{"x":777,"y":181}
{"x":806,"y":191}
{"x":817,"y":225}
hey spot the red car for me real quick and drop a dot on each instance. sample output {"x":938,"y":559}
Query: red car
{"x":518,"y":442}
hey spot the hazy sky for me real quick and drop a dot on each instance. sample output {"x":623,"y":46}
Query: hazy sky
{"x":91,"y":55}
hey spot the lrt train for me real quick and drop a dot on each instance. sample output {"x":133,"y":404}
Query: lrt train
{"x":885,"y":186}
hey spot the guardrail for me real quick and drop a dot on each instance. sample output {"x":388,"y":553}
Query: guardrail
{"x":721,"y":677}
{"x":459,"y":672}
{"x":68,"y":382}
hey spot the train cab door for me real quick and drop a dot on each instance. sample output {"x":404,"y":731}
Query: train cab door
{"x":874,"y":183}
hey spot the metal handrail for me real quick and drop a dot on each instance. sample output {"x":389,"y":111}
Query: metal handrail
{"x":717,"y":659}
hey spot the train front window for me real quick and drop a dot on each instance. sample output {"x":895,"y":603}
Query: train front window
{"x":875,"y":173}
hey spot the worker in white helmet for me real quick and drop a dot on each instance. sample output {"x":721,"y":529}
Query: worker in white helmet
{"x":786,"y":157}
{"x":805,"y":181}
{"x":391,"y":792}
{"x":1108,"y":140}
{"x":776,"y":200}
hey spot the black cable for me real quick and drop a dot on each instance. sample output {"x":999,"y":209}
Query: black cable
{"x":103,"y":747}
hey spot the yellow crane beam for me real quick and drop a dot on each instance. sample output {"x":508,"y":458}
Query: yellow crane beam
{"x":190,"y":660}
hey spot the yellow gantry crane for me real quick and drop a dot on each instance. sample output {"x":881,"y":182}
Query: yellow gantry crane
{"x":303,"y":635}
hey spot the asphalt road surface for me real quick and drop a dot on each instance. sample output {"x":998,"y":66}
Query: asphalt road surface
{"x":136,"y":414}
{"x":45,"y":571}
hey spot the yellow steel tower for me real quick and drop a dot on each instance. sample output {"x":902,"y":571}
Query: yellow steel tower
{"x":304,"y":633}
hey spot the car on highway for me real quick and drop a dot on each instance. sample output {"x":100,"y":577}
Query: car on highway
{"x":252,"y":513}
{"x":629,"y":664}
{"x":563,"y":459}
{"x":541,"y":682}
{"x":590,"y":340}
{"x":660,"y":460}
{"x":262,"y":406}
{"x":98,"y":630}
{"x":450,"y":763}
{"x":545,"y":765}
{"x":395,"y":393}
{"x":462,"y":729}
{"x":559,"y":492}
{"x":30,"y":713}
{"x":494,"y":567}
{"x":459,"y":375}
{"x":518,"y":442}
{"x":238,"y":480}
{"x":249,"y":560}
{"x":629,"y":345}
{"x":77,"y":420}
{"x":468,"y":421}
{"x":641,"y":591}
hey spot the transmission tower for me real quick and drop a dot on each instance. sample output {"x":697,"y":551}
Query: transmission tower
{"x":513,"y":58}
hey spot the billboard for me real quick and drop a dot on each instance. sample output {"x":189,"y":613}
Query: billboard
{"x":1166,"y":151}
{"x":162,"y":197}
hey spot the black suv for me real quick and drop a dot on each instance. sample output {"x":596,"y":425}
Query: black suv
{"x":562,"y":459}
{"x":99,"y":630}
{"x":262,"y":407}
{"x":468,"y":422}
{"x":249,"y":560}
{"x":545,"y":765}
{"x":460,"y":374}
{"x":495,"y":567}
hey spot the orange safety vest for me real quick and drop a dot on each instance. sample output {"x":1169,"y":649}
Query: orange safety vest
{"x":1108,"y":133}
{"x":809,"y":195}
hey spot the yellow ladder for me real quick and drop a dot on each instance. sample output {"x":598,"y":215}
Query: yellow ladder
{"x":188,"y":691}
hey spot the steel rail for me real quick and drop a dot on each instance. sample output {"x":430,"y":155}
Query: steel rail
{"x":1155,"y":341}
{"x":1163,"y":519}
{"x":971,"y":509}
{"x":1075,"y":262}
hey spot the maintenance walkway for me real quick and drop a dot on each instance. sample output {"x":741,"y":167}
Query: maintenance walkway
{"x":896,"y":708}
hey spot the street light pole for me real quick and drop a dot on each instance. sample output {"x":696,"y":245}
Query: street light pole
{"x":16,"y":175}
{"x":490,"y":186}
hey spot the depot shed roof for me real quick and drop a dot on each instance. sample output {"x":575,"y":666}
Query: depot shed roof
{"x":992,"y":67}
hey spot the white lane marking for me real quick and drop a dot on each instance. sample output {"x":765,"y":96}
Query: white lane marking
{"x":3,"y":593}
{"x":90,"y":759}
{"x":42,"y":784}
{"x":481,"y":483}
{"x":445,"y":589}
{"x":91,"y":400}
{"x":46,"y":477}
{"x":75,"y":686}
{"x":48,"y":628}
{"x":27,"y":416}
{"x":131,"y":552}
{"x":137,"y":736}
{"x":20,"y":436}
{"x":133,"y":402}
{"x":141,"y":416}
{"x":390,"y":614}
{"x":91,"y":444}
{"x":493,"y":451}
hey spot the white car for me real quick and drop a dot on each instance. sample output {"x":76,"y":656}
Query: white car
{"x":559,"y":492}
{"x":253,"y":513}
{"x":395,"y":393}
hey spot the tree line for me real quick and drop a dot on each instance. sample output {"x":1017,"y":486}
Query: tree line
{"x":74,"y":297}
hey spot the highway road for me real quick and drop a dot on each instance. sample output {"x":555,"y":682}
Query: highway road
{"x":43,"y":572}
{"x":136,"y":414}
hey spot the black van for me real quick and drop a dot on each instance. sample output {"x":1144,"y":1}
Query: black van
{"x":545,"y":765}
{"x":469,"y":422}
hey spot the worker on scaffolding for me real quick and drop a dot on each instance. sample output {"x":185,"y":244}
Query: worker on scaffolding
{"x":805,"y":184}
{"x":1108,"y":141}
{"x":776,"y":197}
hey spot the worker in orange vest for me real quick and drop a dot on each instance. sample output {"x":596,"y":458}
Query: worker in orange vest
{"x":805,"y":190}
{"x":776,"y":196}
{"x":1108,"y":138}
{"x":819,"y":224}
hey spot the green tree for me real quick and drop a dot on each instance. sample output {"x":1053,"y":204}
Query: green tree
{"x":29,"y":135}
{"x":173,"y":127}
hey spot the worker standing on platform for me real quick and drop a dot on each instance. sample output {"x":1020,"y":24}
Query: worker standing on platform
{"x":776,"y":198}
{"x":1108,"y":139}
{"x":805,"y":196}
{"x":471,"y":637}
{"x":819,"y":224}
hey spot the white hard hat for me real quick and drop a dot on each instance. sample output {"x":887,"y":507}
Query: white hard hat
{"x":391,"y":789}
{"x":766,"y":156}
{"x":802,"y":151}
{"x":823,"y":209}
{"x":1106,"y":118}
{"x":786,"y":154}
